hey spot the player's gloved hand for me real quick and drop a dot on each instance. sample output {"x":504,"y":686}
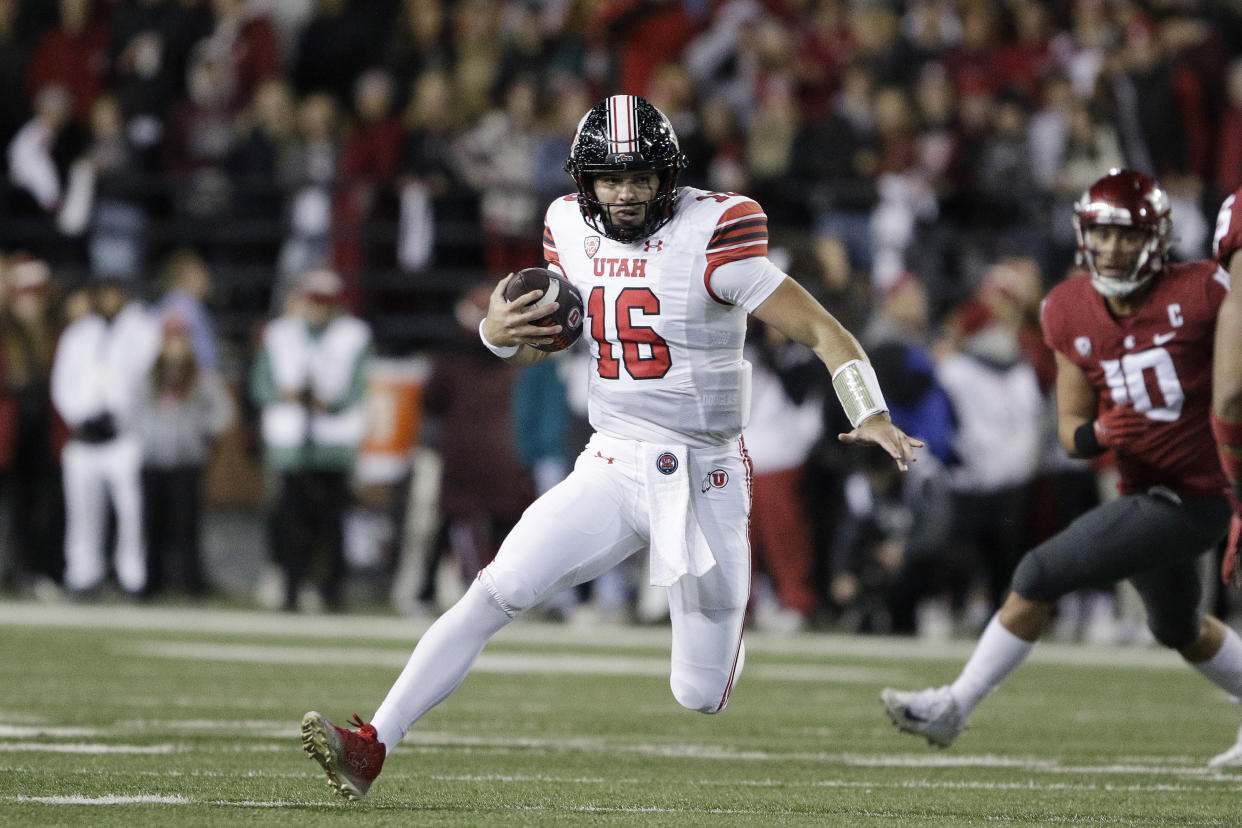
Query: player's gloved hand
{"x":1119,"y":426}
{"x":1230,"y":571}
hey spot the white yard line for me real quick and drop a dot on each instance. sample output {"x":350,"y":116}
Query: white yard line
{"x":509,"y":663}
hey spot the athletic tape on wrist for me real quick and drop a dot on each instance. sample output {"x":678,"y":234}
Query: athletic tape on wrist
{"x":858,"y":390}
{"x":502,"y":351}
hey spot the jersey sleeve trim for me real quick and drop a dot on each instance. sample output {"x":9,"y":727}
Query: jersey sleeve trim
{"x":549,"y":245}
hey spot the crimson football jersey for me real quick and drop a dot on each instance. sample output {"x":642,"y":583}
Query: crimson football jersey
{"x":1228,"y":236}
{"x":1160,"y":360}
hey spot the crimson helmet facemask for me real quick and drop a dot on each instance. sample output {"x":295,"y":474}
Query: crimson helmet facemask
{"x":625,"y":133}
{"x":1124,"y":198}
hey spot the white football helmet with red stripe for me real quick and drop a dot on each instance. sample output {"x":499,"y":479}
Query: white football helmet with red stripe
{"x":625,"y":133}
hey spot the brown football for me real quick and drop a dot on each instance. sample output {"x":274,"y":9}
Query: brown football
{"x":556,"y":288}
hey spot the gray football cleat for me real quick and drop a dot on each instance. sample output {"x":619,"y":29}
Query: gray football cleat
{"x":1231,"y":758}
{"x":932,"y":713}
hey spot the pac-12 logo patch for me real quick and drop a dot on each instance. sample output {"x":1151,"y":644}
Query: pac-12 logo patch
{"x":716,"y":479}
{"x":666,"y":463}
{"x":1082,"y":344}
{"x":591,"y":244}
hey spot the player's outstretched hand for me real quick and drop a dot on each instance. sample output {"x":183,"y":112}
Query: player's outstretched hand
{"x":513,"y":323}
{"x":1118,"y":427}
{"x":878,"y":430}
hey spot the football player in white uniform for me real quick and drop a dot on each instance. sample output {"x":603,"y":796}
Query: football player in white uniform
{"x":668,"y":276}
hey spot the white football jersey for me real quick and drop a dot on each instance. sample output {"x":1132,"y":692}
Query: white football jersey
{"x":665,"y":341}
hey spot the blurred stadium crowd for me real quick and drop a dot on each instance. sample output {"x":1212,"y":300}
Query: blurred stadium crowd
{"x":917,"y":159}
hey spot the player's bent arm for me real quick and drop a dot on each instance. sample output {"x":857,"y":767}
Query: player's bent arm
{"x":1227,"y":359}
{"x":1076,"y":407}
{"x":796,"y":314}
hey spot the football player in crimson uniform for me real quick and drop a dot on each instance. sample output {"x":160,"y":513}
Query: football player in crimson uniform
{"x":1133,"y":338}
{"x":668,"y":274}
{"x":1227,"y":378}
{"x":1227,"y":398}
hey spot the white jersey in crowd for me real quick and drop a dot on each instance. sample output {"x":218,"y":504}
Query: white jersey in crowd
{"x":666,"y":315}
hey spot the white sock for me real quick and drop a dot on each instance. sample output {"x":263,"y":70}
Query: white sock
{"x":1225,"y":668}
{"x":439,"y":663}
{"x":998,"y":653}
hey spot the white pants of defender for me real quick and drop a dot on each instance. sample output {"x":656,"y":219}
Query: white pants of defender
{"x":597,"y":517}
{"x":92,"y":474}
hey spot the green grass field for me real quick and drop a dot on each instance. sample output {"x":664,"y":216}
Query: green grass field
{"x":126,"y":716}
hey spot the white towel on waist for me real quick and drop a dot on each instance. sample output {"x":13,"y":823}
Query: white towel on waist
{"x":678,"y":546}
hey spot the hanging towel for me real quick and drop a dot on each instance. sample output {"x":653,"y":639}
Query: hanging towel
{"x":677,"y":544}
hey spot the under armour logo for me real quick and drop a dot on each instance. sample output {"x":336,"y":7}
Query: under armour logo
{"x":657,"y":246}
{"x":601,"y":456}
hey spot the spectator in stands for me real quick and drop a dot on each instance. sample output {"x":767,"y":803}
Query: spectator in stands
{"x":247,"y":40}
{"x":28,"y":331}
{"x":33,"y":161}
{"x":429,"y":167}
{"x":101,"y":360}
{"x":256,"y":158}
{"x":477,"y":50}
{"x":106,"y":195}
{"x":496,"y":159}
{"x":14,"y":58}
{"x":73,"y":56}
{"x":370,"y":160}
{"x":307,"y":179}
{"x":333,"y":48}
{"x":148,"y":54}
{"x":421,"y":43}
{"x":181,"y":409}
{"x":309,"y":380}
{"x":200,"y":136}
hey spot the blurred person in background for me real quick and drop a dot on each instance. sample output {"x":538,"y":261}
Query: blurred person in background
{"x":309,"y":379}
{"x":72,"y":55}
{"x":469,"y":400}
{"x":429,"y":170}
{"x":370,"y":161}
{"x":29,"y":328}
{"x":182,"y":408}
{"x":308,"y":176}
{"x":788,"y":395}
{"x":998,"y":410}
{"x":496,"y":159}
{"x":106,"y":194}
{"x":14,"y":58}
{"x":101,"y":361}
{"x":187,"y":287}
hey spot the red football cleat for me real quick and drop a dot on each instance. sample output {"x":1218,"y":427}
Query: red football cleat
{"x":352,"y":759}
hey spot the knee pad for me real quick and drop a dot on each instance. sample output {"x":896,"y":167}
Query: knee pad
{"x":513,"y":592}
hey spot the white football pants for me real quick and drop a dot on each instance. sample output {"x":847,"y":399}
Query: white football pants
{"x":578,"y":530}
{"x":92,"y":472}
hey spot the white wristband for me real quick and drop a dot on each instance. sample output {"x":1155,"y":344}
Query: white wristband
{"x":858,"y":390}
{"x":502,"y":351}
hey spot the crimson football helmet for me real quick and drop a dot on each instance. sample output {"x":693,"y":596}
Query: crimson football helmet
{"x":625,"y":133}
{"x":1124,"y":198}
